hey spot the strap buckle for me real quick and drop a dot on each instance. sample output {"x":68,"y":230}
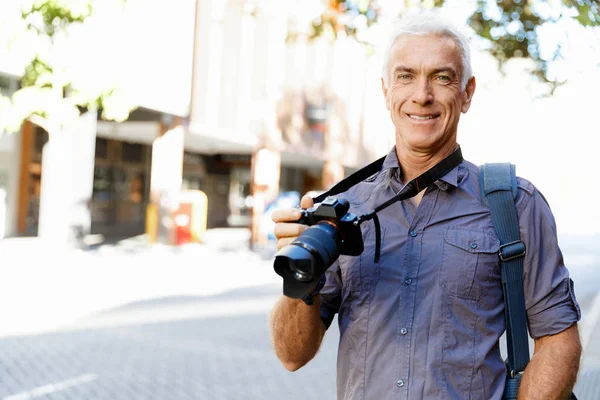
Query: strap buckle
{"x":512,"y":373}
{"x":512,"y":250}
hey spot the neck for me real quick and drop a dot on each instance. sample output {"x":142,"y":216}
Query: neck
{"x":415,"y":162}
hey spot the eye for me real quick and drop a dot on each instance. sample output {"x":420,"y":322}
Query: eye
{"x":402,"y":77}
{"x":444,"y":78}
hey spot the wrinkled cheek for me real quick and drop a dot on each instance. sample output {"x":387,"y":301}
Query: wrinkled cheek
{"x":395,"y":112}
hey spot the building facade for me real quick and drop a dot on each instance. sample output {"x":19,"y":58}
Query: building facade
{"x":263,"y":110}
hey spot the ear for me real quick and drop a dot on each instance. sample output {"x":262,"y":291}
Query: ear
{"x":384,"y":89}
{"x":468,"y":95}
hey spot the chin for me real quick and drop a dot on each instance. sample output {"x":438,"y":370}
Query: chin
{"x":421,"y":139}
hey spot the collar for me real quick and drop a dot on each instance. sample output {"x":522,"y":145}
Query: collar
{"x":391,"y":163}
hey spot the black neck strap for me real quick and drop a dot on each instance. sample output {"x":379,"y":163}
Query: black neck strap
{"x":352,"y":180}
{"x":421,"y":182}
{"x":409,"y":190}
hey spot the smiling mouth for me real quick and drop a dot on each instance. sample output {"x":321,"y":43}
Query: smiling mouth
{"x":422,"y":117}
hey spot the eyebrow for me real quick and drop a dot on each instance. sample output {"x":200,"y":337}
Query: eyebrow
{"x":401,"y":68}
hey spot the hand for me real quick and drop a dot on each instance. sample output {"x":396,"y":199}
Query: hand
{"x":285,"y":231}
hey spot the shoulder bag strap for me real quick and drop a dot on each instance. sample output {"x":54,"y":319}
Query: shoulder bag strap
{"x":499,"y":189}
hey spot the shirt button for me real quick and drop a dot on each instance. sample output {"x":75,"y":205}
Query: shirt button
{"x":473,"y":245}
{"x":400,"y":383}
{"x":404,"y":331}
{"x":413,"y":234}
{"x":408,"y":281}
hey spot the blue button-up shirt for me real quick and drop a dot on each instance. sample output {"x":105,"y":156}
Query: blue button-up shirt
{"x":424,"y":322}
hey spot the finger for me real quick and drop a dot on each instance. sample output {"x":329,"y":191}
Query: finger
{"x":285,"y":215}
{"x":281,"y":243}
{"x":306,"y":201}
{"x":283,"y":230}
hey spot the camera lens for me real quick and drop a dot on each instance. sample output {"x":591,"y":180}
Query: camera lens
{"x":301,"y":270}
{"x":302,"y":263}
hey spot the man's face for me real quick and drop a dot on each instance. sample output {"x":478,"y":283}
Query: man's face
{"x":425,"y":97}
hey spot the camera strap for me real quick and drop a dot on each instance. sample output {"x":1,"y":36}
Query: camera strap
{"x":409,"y":190}
{"x":352,"y":180}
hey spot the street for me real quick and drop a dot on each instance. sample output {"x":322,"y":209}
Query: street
{"x":214,"y":347}
{"x":107,"y":324}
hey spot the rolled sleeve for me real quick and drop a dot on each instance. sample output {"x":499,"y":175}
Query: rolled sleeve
{"x":549,"y":295}
{"x":331,"y":294}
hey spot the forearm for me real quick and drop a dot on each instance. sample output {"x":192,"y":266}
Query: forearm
{"x":297,"y":331}
{"x":552,"y":371}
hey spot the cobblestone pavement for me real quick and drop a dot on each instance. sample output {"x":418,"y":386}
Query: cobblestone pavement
{"x":200,"y":355}
{"x":139,"y":333}
{"x":214,"y":347}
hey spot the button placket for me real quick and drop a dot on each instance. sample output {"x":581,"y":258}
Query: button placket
{"x":411,"y":262}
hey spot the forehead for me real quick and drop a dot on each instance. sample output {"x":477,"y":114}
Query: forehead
{"x":425,"y":51}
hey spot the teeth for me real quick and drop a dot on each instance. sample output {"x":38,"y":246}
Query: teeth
{"x":418,"y":118}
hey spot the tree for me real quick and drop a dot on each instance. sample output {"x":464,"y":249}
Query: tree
{"x":55,"y":90}
{"x":511,"y":28}
{"x":62,"y":90}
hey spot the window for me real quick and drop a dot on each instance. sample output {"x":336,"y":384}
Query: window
{"x":132,"y":153}
{"x":101,"y":148}
{"x":192,"y":159}
{"x":40,"y":138}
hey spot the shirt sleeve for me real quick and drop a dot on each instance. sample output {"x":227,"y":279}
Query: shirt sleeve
{"x":331,"y":294}
{"x":549,"y":295}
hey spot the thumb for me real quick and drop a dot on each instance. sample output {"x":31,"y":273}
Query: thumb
{"x":306,"y":201}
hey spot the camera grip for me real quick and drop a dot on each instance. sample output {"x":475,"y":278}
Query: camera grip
{"x":304,"y":218}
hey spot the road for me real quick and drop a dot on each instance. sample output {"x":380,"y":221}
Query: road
{"x":179,"y":332}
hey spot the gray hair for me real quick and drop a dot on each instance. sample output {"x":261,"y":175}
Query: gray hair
{"x":428,"y":23}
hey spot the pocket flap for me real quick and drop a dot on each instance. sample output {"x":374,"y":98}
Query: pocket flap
{"x":473,"y":241}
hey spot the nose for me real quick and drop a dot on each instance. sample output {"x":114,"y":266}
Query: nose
{"x":423,"y":94}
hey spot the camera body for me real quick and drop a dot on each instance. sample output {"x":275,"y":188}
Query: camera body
{"x":335,"y":211}
{"x":332,"y":231}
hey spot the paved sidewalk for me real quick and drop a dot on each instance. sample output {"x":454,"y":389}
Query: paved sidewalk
{"x":42,"y":288}
{"x":177,"y":306}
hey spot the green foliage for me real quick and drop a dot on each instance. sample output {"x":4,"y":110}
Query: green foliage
{"x":511,"y":27}
{"x":37,"y":73}
{"x":48,"y":88}
{"x":588,"y":11}
{"x":348,"y":16}
{"x":51,"y":16}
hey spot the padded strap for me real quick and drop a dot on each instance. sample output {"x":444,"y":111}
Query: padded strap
{"x":499,"y":187}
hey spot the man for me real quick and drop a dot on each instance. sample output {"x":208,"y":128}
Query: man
{"x":424,"y":321}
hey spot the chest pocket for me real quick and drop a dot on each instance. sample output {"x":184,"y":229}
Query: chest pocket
{"x":468,"y":260}
{"x":361,"y":273}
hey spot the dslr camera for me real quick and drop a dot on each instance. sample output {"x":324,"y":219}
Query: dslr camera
{"x":332,"y":231}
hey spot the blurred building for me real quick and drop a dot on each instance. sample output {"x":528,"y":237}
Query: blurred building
{"x":262,"y":111}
